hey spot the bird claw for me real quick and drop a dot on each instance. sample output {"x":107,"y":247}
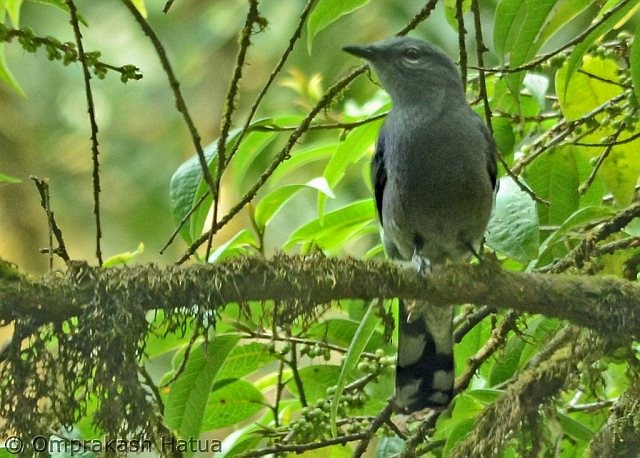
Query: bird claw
{"x":422,"y":265}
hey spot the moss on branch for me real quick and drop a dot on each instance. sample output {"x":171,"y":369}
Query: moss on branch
{"x":607,"y":304}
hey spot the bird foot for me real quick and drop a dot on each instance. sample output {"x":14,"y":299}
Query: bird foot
{"x":422,"y":265}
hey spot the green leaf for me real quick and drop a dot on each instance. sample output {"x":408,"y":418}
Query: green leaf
{"x":586,"y":93}
{"x":326,"y":12}
{"x":471,"y":342}
{"x":245,"y":359}
{"x":565,"y":12}
{"x":7,"y":76}
{"x":503,"y":135}
{"x":231,"y":403}
{"x":634,"y":55}
{"x":358,"y":344}
{"x":122,"y":259}
{"x":9,"y":179}
{"x":301,"y":158}
{"x":359,"y":141}
{"x":574,"y":428}
{"x":235,"y":245}
{"x":518,"y":23}
{"x":276,"y":199}
{"x":554,"y":177}
{"x":161,"y":341}
{"x":245,"y":438}
{"x":188,"y":185}
{"x":62,"y":5}
{"x":334,"y":227}
{"x":13,"y":8}
{"x":340,"y":331}
{"x":450,"y":11}
{"x":613,"y":22}
{"x":485,"y":396}
{"x":513,"y":228}
{"x":579,"y":217}
{"x":316,"y":379}
{"x":140,"y":6}
{"x":506,"y":365}
{"x":187,"y":400}
{"x":457,"y":434}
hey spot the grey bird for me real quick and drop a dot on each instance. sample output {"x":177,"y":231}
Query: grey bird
{"x":434,"y":176}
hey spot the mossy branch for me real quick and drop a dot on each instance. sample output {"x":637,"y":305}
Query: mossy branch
{"x":608,"y":304}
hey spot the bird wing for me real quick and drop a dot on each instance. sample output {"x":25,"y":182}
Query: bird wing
{"x":379,"y":173}
{"x":491,"y":152}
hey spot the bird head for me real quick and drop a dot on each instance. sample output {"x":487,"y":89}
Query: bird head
{"x":410,"y":70}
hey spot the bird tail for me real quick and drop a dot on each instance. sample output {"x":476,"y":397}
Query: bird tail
{"x":424,"y":369}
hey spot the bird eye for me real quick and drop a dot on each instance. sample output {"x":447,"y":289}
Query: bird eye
{"x":411,"y":54}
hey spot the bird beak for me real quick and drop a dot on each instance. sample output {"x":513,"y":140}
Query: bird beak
{"x":365,"y":52}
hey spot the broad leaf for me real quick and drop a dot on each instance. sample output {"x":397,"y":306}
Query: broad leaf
{"x":316,"y":379}
{"x":334,"y":227}
{"x":513,"y":229}
{"x":575,"y":59}
{"x":554,"y":177}
{"x":245,"y":359}
{"x":188,"y":185}
{"x":326,"y":12}
{"x":187,"y":401}
{"x":7,"y":76}
{"x":358,"y":344}
{"x":359,"y":141}
{"x":276,"y":199}
{"x":231,"y":403}
{"x":238,"y":244}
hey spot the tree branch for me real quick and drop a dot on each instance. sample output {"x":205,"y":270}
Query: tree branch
{"x":609,"y":304}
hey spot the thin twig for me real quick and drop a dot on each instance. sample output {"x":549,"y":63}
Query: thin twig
{"x":540,"y":59}
{"x":183,"y":363}
{"x":73,"y":13}
{"x":630,"y":139}
{"x":497,"y":340}
{"x":283,"y":154}
{"x":175,"y":87}
{"x":153,"y":387}
{"x":301,"y":341}
{"x":167,"y":6}
{"x":299,"y":448}
{"x":418,"y":18}
{"x":580,"y":254}
{"x":480,"y":50}
{"x":593,"y":406}
{"x":383,"y":417}
{"x":326,"y":126}
{"x":54,"y":230}
{"x":584,"y":187}
{"x":471,"y":321}
{"x":293,"y":364}
{"x":462,"y":46}
{"x":66,"y":52}
{"x":252,"y":18}
{"x":622,"y":244}
{"x":600,"y":78}
{"x":418,"y":436}
{"x":561,"y":130}
{"x":272,"y":76}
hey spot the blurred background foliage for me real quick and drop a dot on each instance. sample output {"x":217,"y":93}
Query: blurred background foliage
{"x":142,"y":137}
